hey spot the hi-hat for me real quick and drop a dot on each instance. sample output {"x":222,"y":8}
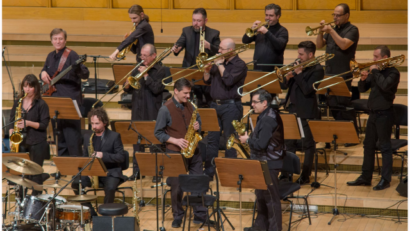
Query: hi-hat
{"x":22,"y":165}
{"x":23,"y":181}
{"x":82,"y":198}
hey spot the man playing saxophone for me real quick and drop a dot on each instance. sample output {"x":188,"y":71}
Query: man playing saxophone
{"x":173,"y":122}
{"x":107,"y":146}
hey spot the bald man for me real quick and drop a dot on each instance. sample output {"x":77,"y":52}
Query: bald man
{"x":225,"y":76}
{"x":148,"y":99}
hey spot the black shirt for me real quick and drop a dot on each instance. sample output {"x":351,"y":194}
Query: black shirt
{"x":341,"y":62}
{"x":37,"y":113}
{"x":226,"y":86}
{"x":384,"y":87}
{"x":96,"y":143}
{"x":70,"y":84}
{"x":269,"y":47}
{"x":267,"y":125}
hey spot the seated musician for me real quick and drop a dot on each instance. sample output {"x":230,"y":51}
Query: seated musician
{"x":107,"y":146}
{"x":170,"y":129}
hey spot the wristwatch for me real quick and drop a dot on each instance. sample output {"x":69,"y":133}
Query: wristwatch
{"x":218,"y":64}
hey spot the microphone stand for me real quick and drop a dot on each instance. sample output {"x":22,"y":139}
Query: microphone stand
{"x":95,"y":70}
{"x":11,"y":79}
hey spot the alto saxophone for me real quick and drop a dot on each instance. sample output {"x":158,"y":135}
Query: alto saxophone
{"x":243,"y":149}
{"x":94,"y":179}
{"x":191,"y":136}
{"x":135,"y":206}
{"x":17,"y":137}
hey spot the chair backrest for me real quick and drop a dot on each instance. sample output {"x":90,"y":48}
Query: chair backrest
{"x":194,"y":183}
{"x":126,"y":164}
{"x":400,"y":112}
{"x":291,"y":163}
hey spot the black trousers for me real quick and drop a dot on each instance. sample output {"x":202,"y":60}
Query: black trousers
{"x":137,"y":148}
{"x":195,"y":167}
{"x":378,"y":129}
{"x":268,"y":206}
{"x":343,"y":114}
{"x":226,"y":113}
{"x":69,"y":137}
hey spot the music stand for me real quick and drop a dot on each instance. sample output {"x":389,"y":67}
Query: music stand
{"x":273,"y":88}
{"x":245,"y":173}
{"x":120,"y":70}
{"x":209,"y":119}
{"x":336,"y":90}
{"x":335,"y":132}
{"x":196,"y":78}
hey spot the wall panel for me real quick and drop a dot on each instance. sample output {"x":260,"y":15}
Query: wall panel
{"x":25,"y":3}
{"x":323,"y":4}
{"x":146,"y":4}
{"x":207,"y":4}
{"x":384,"y":5}
{"x":80,"y":3}
{"x":260,"y":5}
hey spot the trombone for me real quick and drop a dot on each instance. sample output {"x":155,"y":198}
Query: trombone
{"x":250,"y":32}
{"x":356,"y":69}
{"x":202,"y":63}
{"x":315,"y":31}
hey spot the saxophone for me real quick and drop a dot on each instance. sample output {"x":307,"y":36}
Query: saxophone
{"x":191,"y":136}
{"x":94,"y":179}
{"x":121,"y":54}
{"x":135,"y":206}
{"x":17,"y":137}
{"x":243,"y":149}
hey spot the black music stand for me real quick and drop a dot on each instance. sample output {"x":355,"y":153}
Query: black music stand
{"x":335,"y":132}
{"x":243,"y":173}
{"x":95,"y":70}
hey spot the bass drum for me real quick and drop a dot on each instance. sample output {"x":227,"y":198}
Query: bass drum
{"x":33,"y":208}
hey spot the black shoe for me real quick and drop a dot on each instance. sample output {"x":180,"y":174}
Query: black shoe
{"x":132,"y":178}
{"x":327,"y":146}
{"x":350,"y":145}
{"x":301,"y":180}
{"x":176,"y":223}
{"x":199,"y":221}
{"x":156,"y":180}
{"x":359,"y":181}
{"x":383,"y":184}
{"x":285,"y":177}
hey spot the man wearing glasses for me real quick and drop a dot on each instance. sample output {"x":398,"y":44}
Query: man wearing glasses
{"x":225,"y":76}
{"x":342,"y":42}
{"x":148,"y":99}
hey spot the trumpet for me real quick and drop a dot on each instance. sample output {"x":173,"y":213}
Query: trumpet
{"x":315,"y":31}
{"x":202,"y":54}
{"x":200,"y":64}
{"x":250,"y":32}
{"x":356,"y":69}
{"x":121,"y":54}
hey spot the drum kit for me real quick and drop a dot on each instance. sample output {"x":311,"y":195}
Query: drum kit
{"x":37,"y":212}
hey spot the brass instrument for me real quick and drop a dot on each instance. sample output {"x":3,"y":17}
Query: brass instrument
{"x":191,"y":135}
{"x":17,"y":137}
{"x":250,"y":32}
{"x":202,"y":63}
{"x":121,"y":54}
{"x":135,"y":205}
{"x":94,"y":179}
{"x":233,"y":142}
{"x":315,"y":31}
{"x":117,"y":84}
{"x":202,"y":54}
{"x":356,"y":69}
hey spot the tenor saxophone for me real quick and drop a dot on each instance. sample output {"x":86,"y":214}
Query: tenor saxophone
{"x":243,"y":149}
{"x":135,"y":205}
{"x":191,"y":136}
{"x":17,"y":137}
{"x":94,"y":179}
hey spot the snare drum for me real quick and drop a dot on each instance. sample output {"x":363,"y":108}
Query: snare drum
{"x":71,"y":213}
{"x":33,"y":208}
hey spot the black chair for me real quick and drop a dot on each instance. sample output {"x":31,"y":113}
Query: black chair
{"x":359,"y":105}
{"x":197,"y":186}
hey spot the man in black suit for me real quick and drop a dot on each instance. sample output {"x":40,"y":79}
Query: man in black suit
{"x":189,"y":40}
{"x":107,"y":146}
{"x":301,"y":99}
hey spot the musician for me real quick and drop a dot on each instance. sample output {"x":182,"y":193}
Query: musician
{"x":383,"y":85}
{"x":170,"y":129}
{"x":69,"y":137}
{"x":148,"y":99}
{"x":302,"y":100}
{"x":270,"y":43}
{"x":267,"y":144}
{"x":36,"y":117}
{"x":189,"y":40}
{"x":225,"y":76}
{"x":342,"y":42}
{"x":142,"y":34}
{"x":107,"y":146}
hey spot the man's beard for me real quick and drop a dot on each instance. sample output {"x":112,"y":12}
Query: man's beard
{"x":196,"y":30}
{"x":98,"y":130}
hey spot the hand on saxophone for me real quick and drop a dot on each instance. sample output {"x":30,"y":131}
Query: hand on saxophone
{"x":244,"y":138}
{"x":196,"y":126}
{"x":182,"y":143}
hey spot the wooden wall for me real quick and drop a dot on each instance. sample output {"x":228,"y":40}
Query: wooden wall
{"x":293,"y":11}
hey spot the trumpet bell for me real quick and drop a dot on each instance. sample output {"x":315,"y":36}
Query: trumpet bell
{"x":249,"y":32}
{"x":309,"y":31}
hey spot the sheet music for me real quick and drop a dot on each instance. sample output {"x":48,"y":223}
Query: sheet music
{"x":77,"y":108}
{"x":302,"y":133}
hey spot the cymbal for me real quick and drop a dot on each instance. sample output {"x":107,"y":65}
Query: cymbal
{"x":23,"y":182}
{"x":82,"y":198}
{"x":22,"y":165}
{"x":55,"y":186}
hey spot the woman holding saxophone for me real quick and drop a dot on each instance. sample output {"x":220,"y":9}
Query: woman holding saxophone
{"x":29,"y":134}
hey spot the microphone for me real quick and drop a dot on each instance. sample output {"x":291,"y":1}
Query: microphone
{"x":4,"y":49}
{"x":139,"y":140}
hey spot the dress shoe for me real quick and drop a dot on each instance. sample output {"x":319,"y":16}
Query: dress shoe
{"x":132,"y":178}
{"x":350,"y":145}
{"x":383,"y":184}
{"x":285,"y":177}
{"x":176,"y":223}
{"x":301,"y":180}
{"x":359,"y":181}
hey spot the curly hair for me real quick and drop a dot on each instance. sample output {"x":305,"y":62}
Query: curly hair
{"x":101,"y":115}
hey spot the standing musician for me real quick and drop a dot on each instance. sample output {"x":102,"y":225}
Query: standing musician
{"x":36,"y":117}
{"x":224,"y":77}
{"x":170,"y":129}
{"x":190,"y":39}
{"x":342,"y":42}
{"x":267,"y":144}
{"x":270,"y":43}
{"x":107,"y":146}
{"x":383,"y":85}
{"x":142,"y":34}
{"x":69,"y":139}
{"x":147,"y":100}
{"x":302,"y":100}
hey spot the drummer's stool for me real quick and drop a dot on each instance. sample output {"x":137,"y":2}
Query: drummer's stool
{"x":111,"y":210}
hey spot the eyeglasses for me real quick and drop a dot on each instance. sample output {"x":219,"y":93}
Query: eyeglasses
{"x":338,"y":15}
{"x":143,"y":56}
{"x":220,"y":48}
{"x":255,"y":102}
